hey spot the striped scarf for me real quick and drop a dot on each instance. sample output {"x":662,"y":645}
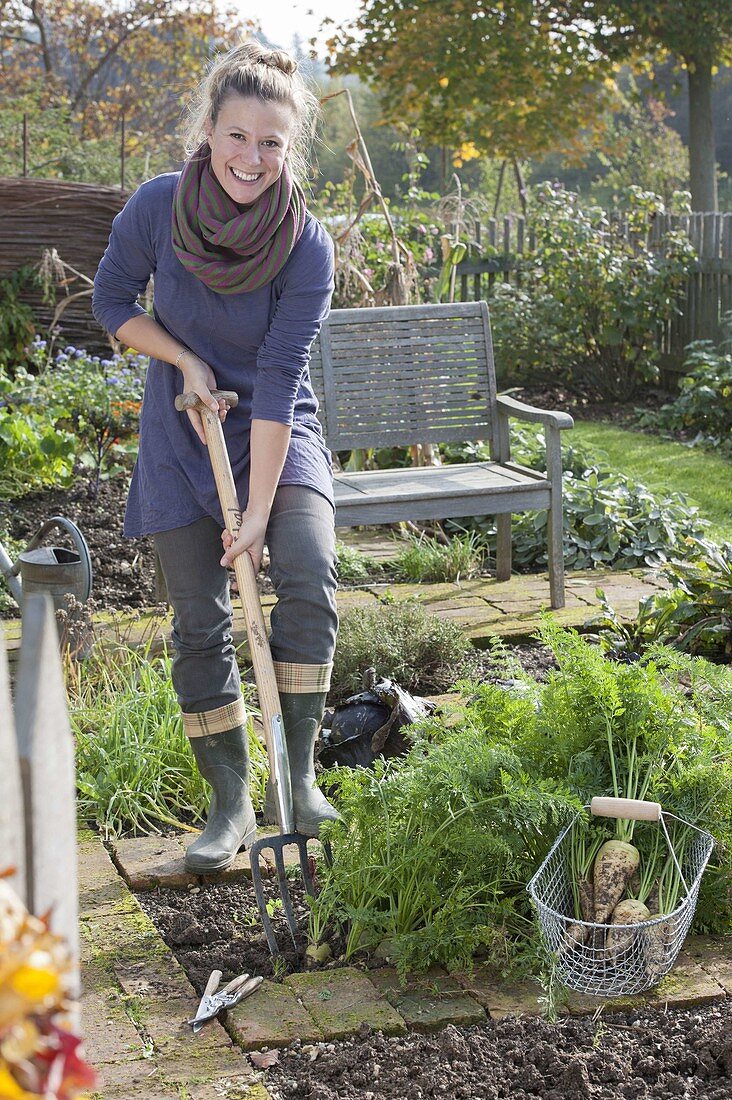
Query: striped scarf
{"x":229,"y":249}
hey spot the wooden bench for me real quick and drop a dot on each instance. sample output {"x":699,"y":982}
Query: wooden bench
{"x":396,"y":376}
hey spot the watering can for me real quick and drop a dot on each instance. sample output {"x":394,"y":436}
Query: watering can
{"x":52,"y":569}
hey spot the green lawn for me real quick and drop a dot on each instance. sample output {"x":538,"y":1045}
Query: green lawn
{"x":701,"y":476}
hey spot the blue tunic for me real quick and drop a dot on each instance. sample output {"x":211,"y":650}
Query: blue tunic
{"x":256,"y":343}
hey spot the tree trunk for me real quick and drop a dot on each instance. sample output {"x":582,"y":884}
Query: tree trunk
{"x":702,"y":159}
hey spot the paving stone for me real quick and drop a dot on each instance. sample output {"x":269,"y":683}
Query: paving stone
{"x":121,"y":1082}
{"x":125,"y":937}
{"x":688,"y":984}
{"x":583,"y":1004}
{"x":429,"y":1002}
{"x":109,"y":1034}
{"x":341,"y":1000}
{"x":271,"y":1017}
{"x":714,"y":955}
{"x":149,"y":861}
{"x":498,"y":997}
{"x":101,"y":890}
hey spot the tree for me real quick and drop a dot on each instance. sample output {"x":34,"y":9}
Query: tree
{"x":522,"y":76}
{"x":500,"y":77}
{"x":698,"y":33}
{"x":96,"y":61}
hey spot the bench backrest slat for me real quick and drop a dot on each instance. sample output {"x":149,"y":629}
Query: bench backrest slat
{"x":396,"y":375}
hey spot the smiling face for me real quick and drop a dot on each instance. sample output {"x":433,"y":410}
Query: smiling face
{"x":249,"y":142}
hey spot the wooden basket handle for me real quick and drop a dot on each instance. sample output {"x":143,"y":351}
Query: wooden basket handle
{"x":634,"y":809}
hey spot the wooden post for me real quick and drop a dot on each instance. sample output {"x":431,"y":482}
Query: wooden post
{"x":122,"y":154}
{"x":25,"y":143}
{"x":46,"y":751}
{"x":12,"y":822}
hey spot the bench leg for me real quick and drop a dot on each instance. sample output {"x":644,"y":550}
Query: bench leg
{"x":555,"y":522}
{"x":503,"y":547}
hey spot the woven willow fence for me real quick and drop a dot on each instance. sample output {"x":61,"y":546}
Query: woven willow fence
{"x":73,"y":218}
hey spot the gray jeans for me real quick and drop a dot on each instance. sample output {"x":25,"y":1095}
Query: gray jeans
{"x":304,"y":621}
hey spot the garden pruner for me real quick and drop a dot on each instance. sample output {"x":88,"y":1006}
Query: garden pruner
{"x":215,"y":1000}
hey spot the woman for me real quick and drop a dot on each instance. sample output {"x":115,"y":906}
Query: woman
{"x":243,"y":278}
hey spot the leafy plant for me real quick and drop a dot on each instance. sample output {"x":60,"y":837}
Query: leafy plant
{"x":34,"y":454}
{"x":98,"y":399}
{"x":433,"y":852}
{"x":404,"y":642}
{"x":592,"y":296}
{"x":135,"y":769}
{"x":703,"y":408}
{"x":353,"y":565}
{"x":693,"y":615}
{"x":435,"y":848}
{"x":610,"y":520}
{"x":425,"y":559}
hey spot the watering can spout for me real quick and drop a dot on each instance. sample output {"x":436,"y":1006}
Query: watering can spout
{"x":51,"y":569}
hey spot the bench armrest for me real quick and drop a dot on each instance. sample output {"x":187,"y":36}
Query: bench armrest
{"x":509,"y":406}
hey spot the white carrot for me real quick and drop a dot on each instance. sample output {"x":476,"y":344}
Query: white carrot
{"x":615,"y":865}
{"x":625,"y":912}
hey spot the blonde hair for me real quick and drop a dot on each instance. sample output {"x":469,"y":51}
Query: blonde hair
{"x":251,"y":69}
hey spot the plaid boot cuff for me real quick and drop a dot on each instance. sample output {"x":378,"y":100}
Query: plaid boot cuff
{"x":302,"y":679}
{"x":220,"y":720}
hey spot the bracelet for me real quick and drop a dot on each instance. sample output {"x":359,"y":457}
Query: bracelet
{"x":179,"y":356}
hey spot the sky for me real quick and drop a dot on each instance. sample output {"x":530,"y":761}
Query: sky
{"x":281,"y":19}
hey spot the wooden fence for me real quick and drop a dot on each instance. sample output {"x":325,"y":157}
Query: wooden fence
{"x":706,"y":297}
{"x":37,"y":785}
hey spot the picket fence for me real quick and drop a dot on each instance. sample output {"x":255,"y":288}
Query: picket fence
{"x":37,"y":785}
{"x":509,"y":242}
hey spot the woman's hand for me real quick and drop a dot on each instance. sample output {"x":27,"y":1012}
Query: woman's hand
{"x":198,"y":378}
{"x":250,"y":539}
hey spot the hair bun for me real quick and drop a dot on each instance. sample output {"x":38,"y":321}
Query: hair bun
{"x":278,"y":59}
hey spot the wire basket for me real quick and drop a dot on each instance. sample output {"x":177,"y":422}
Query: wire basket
{"x":643,"y":953}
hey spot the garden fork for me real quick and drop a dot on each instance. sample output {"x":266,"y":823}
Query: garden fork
{"x":264,"y":674}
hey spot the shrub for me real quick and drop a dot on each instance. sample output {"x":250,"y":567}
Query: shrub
{"x":703,"y":408}
{"x":403,"y":642}
{"x":609,"y":519}
{"x":592,"y":296}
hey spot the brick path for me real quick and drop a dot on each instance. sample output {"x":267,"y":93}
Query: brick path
{"x":137,"y":998}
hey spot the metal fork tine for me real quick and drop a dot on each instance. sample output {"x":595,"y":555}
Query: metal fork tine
{"x":277,"y":846}
{"x":274,"y":847}
{"x":254,"y":854}
{"x":307,"y":878}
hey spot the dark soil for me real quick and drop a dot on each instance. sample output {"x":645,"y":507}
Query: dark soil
{"x":217,"y":927}
{"x":623,"y":414}
{"x":637,"y":1055}
{"x":123,"y":569}
{"x":645,"y":1055}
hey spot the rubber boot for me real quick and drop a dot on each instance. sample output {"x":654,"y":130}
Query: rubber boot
{"x":223,"y":760}
{"x":301,"y":716}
